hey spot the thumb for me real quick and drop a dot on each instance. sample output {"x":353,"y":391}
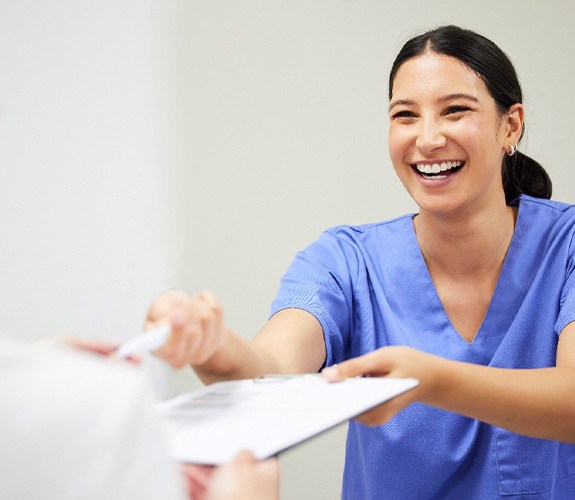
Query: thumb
{"x":369,"y":364}
{"x":244,"y":458}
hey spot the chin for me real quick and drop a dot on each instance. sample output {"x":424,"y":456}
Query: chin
{"x":438,"y":205}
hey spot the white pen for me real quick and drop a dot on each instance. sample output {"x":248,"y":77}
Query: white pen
{"x":145,"y":342}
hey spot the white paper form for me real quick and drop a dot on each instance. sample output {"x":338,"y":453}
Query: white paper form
{"x":266,"y":416}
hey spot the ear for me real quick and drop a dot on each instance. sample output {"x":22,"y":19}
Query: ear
{"x":513,"y":121}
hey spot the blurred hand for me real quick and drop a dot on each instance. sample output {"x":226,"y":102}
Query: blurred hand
{"x":244,"y":478}
{"x":100,"y":347}
{"x":197,"y":479}
{"x":197,"y":324}
{"x":396,"y":361}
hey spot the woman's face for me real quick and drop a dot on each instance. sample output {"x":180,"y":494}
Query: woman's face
{"x":446,"y":137}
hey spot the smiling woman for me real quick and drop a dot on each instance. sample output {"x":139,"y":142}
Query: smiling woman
{"x":479,"y":55}
{"x":474,"y":295}
{"x":442,"y":113}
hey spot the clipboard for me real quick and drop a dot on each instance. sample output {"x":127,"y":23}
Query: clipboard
{"x":266,"y":415}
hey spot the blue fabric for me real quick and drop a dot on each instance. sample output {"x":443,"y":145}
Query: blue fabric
{"x":369,"y":287}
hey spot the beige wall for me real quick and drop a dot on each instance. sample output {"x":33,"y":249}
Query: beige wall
{"x":147,"y":144}
{"x":81,"y":216}
{"x":278,"y":130}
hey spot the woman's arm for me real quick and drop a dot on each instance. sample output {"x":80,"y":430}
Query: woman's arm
{"x":290,"y":342}
{"x":534,"y":402}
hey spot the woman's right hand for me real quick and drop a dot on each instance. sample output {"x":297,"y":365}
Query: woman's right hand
{"x":197,"y":326}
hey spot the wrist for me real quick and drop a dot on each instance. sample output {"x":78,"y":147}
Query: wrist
{"x":438,"y":380}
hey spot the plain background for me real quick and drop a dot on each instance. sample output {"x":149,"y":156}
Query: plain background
{"x":149,"y":144}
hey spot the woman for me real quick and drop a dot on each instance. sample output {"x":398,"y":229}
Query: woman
{"x":474,"y":295}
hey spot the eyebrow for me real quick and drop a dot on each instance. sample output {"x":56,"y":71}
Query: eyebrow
{"x":452,"y":97}
{"x":399,"y":102}
{"x":447,"y":98}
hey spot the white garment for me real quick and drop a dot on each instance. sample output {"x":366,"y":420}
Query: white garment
{"x":77,"y":427}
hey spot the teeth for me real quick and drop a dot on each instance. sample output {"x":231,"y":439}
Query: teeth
{"x":426,"y":168}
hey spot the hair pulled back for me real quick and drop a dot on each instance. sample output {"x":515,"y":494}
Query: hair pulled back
{"x":521,"y":174}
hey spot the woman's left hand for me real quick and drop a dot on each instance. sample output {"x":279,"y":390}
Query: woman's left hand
{"x":396,"y":361}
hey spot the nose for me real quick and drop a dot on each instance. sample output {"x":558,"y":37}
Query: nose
{"x":429,"y":135}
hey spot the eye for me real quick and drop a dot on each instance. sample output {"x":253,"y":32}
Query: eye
{"x":456,"y":109}
{"x":404,"y":113}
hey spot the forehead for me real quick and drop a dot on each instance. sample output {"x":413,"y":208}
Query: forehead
{"x":433,"y":75}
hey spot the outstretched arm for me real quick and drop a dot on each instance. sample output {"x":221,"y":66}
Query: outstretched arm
{"x":534,"y":402}
{"x":290,"y":342}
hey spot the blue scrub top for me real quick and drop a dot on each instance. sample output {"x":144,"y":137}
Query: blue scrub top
{"x":369,"y":287}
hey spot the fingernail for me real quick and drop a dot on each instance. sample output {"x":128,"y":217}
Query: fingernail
{"x":331,"y":372}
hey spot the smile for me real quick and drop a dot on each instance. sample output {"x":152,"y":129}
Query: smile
{"x":438,"y":170}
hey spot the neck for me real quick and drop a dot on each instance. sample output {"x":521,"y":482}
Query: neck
{"x":466,"y":245}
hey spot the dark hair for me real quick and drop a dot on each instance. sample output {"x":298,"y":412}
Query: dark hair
{"x":521,"y":174}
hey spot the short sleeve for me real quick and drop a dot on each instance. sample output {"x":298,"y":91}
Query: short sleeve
{"x":319,"y":281}
{"x":567,"y":303}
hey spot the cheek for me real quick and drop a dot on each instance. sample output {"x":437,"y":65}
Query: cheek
{"x":480,"y":142}
{"x":475,"y":136}
{"x":399,"y":140}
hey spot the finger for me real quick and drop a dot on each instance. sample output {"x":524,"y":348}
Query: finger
{"x":373,"y":364}
{"x":210,"y":299}
{"x":332,"y":373}
{"x":190,"y":330}
{"x":210,"y":324}
{"x":90,"y":345}
{"x":269,"y":468}
{"x":200,"y":473}
{"x":244,"y":457}
{"x":178,"y":317}
{"x":268,"y":479}
{"x":175,"y":350}
{"x":173,"y":345}
{"x":194,"y":333}
{"x":185,"y":351}
{"x":386,"y":411}
{"x":179,"y":320}
{"x":163,"y":305}
{"x":197,"y":478}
